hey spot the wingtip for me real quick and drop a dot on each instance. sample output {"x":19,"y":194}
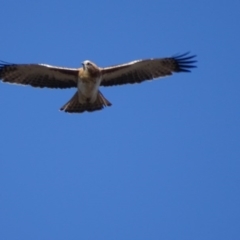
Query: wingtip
{"x":185,"y":61}
{"x":5,"y":63}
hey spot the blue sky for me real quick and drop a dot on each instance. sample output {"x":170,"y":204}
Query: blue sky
{"x":162,"y":163}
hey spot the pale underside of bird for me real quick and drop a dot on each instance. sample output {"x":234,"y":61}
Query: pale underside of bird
{"x":88,"y":78}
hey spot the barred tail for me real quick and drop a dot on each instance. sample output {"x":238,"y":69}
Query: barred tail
{"x":74,"y":106}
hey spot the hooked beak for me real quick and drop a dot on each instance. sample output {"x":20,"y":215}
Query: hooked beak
{"x":83,"y":66}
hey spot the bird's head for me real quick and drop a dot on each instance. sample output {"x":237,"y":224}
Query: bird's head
{"x":90,"y":67}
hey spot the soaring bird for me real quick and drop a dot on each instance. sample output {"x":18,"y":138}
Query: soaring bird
{"x":88,"y":78}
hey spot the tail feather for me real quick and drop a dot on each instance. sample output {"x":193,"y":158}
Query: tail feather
{"x":102,"y":100}
{"x":74,"y":106}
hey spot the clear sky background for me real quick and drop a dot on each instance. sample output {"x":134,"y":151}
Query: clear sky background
{"x":162,"y":163}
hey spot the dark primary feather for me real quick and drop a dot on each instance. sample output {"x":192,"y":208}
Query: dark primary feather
{"x":39,"y":75}
{"x":148,"y":69}
{"x":184,"y":62}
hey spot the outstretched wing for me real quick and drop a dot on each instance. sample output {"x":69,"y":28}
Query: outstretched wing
{"x":39,"y":75}
{"x":142,"y":70}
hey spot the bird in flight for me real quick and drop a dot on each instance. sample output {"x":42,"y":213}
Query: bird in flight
{"x":88,"y":78}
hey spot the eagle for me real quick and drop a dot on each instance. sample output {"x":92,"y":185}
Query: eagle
{"x":89,"y":77}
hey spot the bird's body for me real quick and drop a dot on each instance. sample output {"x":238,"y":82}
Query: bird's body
{"x":88,"y":86}
{"x":90,"y":77}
